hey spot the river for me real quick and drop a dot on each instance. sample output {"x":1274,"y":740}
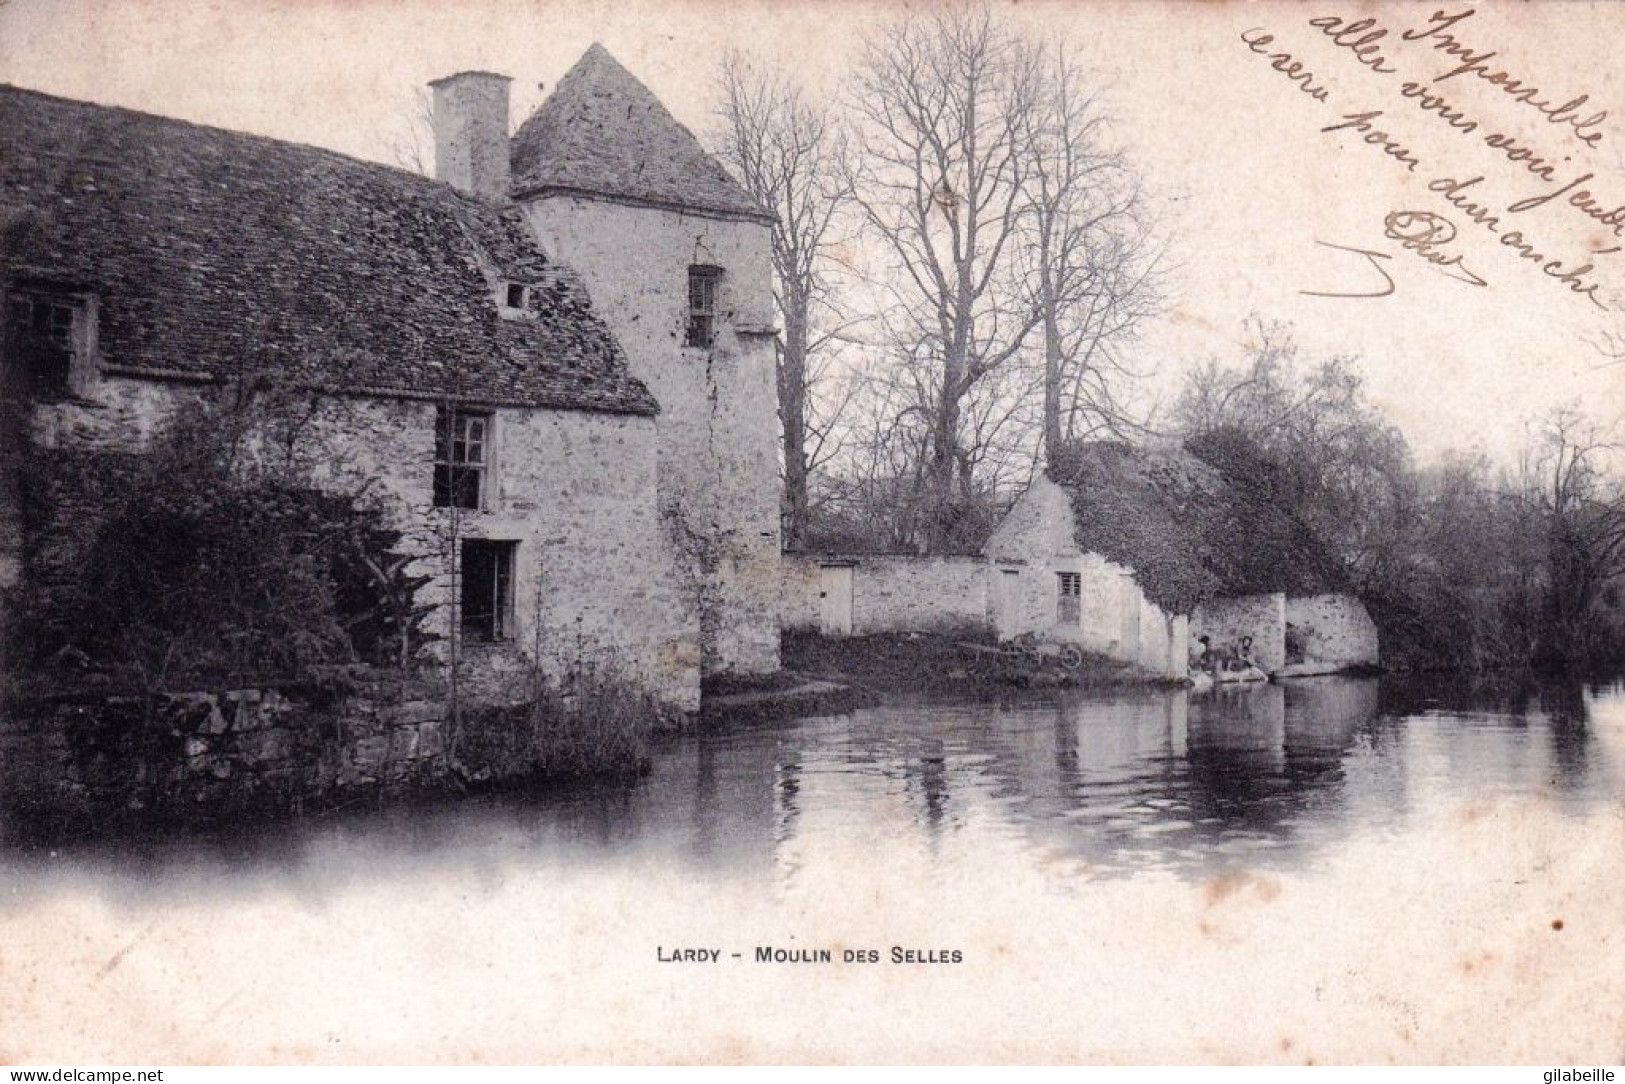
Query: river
{"x":1327,"y":869}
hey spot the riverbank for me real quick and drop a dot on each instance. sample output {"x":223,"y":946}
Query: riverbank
{"x":1103,"y":866}
{"x":827,"y":674}
{"x":951,"y":663}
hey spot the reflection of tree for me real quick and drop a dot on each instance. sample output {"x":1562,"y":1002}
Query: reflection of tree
{"x":1568,"y":729}
{"x":933,"y":778}
{"x":788,"y":803}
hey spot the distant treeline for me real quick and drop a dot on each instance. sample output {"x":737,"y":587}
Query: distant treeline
{"x":1467,"y":563}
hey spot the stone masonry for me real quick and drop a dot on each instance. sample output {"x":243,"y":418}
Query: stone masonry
{"x":893,"y":593}
{"x":1330,"y":631}
{"x":575,"y":490}
{"x":1225,"y":621}
{"x":718,"y":481}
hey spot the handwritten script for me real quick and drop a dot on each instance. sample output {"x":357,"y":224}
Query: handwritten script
{"x":1435,"y":82}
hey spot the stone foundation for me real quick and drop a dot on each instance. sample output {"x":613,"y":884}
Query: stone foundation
{"x":203,"y":752}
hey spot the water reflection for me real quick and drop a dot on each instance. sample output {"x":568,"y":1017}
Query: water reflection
{"x":1264,"y":774}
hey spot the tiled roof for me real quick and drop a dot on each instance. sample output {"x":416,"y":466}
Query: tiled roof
{"x":602,"y":132}
{"x":1190,"y":529}
{"x":213,"y":253}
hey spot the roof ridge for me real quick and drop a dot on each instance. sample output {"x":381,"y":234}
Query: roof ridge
{"x":235,"y":133}
{"x":213,"y":251}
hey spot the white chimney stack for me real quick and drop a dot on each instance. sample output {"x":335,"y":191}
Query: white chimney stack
{"x":471,"y":132}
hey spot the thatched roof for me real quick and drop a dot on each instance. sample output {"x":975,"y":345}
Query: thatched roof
{"x":1193,"y":523}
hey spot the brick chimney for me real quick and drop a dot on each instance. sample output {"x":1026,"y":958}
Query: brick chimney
{"x":471,"y":132}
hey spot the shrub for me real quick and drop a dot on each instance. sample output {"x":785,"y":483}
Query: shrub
{"x":599,"y":723}
{"x":193,"y":566}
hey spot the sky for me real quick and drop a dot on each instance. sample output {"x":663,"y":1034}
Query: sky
{"x":1251,"y":192}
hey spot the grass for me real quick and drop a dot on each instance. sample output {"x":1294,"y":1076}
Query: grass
{"x":939,"y":662}
{"x":600,"y":727}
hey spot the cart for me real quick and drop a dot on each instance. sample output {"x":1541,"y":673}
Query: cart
{"x":1031,"y":651}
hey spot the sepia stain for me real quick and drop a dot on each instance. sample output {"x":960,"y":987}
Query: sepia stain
{"x":1225,"y":885}
{"x":1222,"y":887}
{"x":1557,"y":924}
{"x":118,"y":957}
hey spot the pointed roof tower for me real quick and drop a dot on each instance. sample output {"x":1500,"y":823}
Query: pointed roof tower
{"x":602,"y":132}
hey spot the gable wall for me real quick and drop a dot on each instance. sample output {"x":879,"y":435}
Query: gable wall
{"x":718,"y":455}
{"x":1037,"y":541}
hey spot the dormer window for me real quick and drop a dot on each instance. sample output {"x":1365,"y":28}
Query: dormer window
{"x":702,"y":305}
{"x":49,"y":341}
{"x":515,"y":296}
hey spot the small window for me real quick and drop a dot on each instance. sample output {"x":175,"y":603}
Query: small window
{"x":702,"y":305}
{"x":47,"y":337}
{"x":485,"y":596}
{"x":462,"y":457}
{"x":1069,"y":588}
{"x":516,"y":295}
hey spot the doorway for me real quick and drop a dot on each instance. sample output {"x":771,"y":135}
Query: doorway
{"x":835,"y":600}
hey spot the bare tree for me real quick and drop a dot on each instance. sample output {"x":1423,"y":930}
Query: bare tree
{"x":944,"y":101}
{"x":787,"y":153}
{"x":1340,"y":464}
{"x":1582,"y":509}
{"x":1092,"y":260}
{"x":411,"y":145}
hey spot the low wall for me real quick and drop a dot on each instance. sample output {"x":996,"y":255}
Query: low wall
{"x":1331,"y":631}
{"x":76,"y":762}
{"x":890,"y":593}
{"x":207,"y":751}
{"x":1226,"y":620}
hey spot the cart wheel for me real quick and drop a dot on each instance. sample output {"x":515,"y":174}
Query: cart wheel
{"x":1071,"y":657}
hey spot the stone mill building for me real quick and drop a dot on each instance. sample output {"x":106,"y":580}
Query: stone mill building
{"x":558,"y":353}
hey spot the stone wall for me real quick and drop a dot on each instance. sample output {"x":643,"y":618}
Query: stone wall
{"x":205,"y":752}
{"x":115,"y":413}
{"x":718,"y":427}
{"x":1039,"y":524}
{"x":892,"y":593}
{"x":1330,"y":632}
{"x":1225,"y":621}
{"x":576,"y":491}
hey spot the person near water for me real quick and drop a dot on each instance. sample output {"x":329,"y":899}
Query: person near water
{"x":1204,"y":661}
